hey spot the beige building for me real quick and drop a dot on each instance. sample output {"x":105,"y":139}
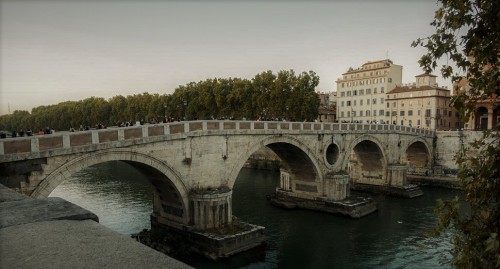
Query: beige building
{"x":361,"y":92}
{"x":421,"y":104}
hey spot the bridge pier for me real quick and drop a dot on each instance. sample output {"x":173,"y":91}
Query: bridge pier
{"x":211,"y":231}
{"x":395,"y":183}
{"x":211,"y":209}
{"x":334,"y":196}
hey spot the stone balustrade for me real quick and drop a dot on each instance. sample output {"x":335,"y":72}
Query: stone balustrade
{"x":67,"y":140}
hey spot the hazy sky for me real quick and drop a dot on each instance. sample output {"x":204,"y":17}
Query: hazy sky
{"x":54,"y":51}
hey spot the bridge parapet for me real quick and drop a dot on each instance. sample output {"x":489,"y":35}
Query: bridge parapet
{"x":13,"y":149}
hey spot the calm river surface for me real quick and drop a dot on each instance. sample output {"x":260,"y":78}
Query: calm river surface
{"x":393,"y":237}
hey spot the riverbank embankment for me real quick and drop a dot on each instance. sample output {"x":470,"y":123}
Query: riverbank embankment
{"x":54,"y":233}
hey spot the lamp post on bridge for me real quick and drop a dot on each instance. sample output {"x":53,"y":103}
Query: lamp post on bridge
{"x":185,"y":110}
{"x":165,"y":112}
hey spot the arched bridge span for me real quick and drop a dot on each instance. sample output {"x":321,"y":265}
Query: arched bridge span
{"x":193,"y":165}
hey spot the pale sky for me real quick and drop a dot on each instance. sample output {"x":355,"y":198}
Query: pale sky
{"x":54,"y":51}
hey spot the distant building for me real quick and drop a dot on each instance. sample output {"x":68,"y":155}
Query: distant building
{"x":487,"y":113}
{"x":361,"y":92}
{"x":327,"y":115}
{"x":324,"y":99}
{"x":421,"y":104}
{"x":333,"y":99}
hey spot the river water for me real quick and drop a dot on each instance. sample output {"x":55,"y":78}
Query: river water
{"x":393,"y":237}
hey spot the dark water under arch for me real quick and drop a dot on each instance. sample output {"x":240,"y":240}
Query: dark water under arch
{"x":394,"y":237}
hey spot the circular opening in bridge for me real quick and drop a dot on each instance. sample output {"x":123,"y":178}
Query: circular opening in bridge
{"x":332,"y":154}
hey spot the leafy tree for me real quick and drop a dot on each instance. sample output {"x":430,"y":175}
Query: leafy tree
{"x":467,"y":36}
{"x":267,"y":93}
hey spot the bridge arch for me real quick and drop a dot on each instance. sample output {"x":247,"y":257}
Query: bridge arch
{"x":367,"y":160}
{"x":160,"y":174}
{"x":417,"y":154}
{"x":295,"y":155}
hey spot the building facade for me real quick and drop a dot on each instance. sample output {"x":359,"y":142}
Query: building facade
{"x":361,"y":92}
{"x":422,"y":104}
{"x":486,"y":115}
{"x":327,"y":115}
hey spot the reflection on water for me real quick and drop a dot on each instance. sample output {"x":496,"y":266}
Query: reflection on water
{"x":393,"y":237}
{"x":116,"y":192}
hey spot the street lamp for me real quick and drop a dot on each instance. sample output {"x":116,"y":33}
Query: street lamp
{"x":185,"y":109}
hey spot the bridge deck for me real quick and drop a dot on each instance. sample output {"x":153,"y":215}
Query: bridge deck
{"x":12,"y":149}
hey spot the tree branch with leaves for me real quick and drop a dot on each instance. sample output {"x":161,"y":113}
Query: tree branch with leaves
{"x":467,"y":38}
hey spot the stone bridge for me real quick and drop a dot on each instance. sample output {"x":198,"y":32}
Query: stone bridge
{"x":193,"y":165}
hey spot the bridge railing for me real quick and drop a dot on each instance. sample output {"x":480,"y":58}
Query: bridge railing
{"x":68,"y":140}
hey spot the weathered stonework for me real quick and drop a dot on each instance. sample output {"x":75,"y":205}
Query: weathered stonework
{"x":183,"y":158}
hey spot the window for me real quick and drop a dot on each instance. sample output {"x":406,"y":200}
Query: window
{"x":402,"y":122}
{"x":418,"y":112}
{"x":342,"y":85}
{"x":348,"y":103}
{"x":368,"y":113}
{"x":389,"y":80}
{"x":394,"y":113}
{"x":438,"y":112}
{"x":342,"y":94}
{"x":354,"y":102}
{"x":348,"y":113}
{"x":361,"y":113}
{"x":427,"y":112}
{"x":367,"y":101}
{"x":361,"y":102}
{"x":354,"y":113}
{"x":402,"y":104}
{"x":374,"y":90}
{"x":410,"y":112}
{"x":342,"y":103}
{"x":374,"y":112}
{"x":355,"y":92}
{"x":381,"y":112}
{"x":401,"y":113}
{"x":387,"y":113}
{"x":342,"y":114}
{"x":427,"y":123}
{"x":393,"y":104}
{"x":382,"y":100}
{"x":361,"y":92}
{"x":387,"y":104}
{"x":348,"y":93}
{"x":374,"y":101}
{"x":382,"y":90}
{"x":368,"y":91}
{"x":418,"y":122}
